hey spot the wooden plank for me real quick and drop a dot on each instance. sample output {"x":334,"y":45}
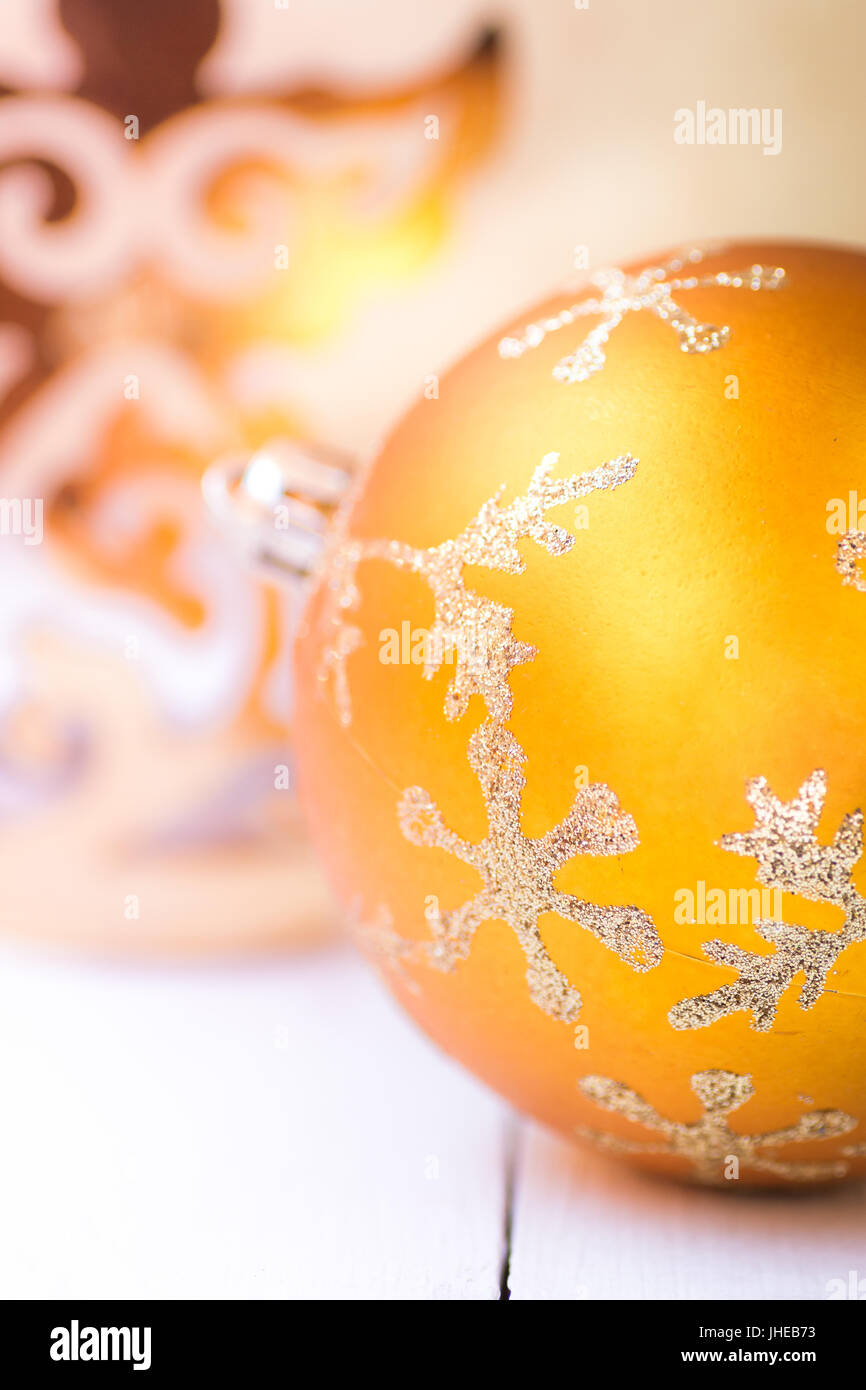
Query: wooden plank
{"x":267,"y":1131}
{"x":586,"y":1226}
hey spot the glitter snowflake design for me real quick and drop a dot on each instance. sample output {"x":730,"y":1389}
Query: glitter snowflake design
{"x":474,"y":629}
{"x":517,"y":873}
{"x":378,"y":936}
{"x":710,"y":1144}
{"x":790,"y":857}
{"x":850,"y":551}
{"x":652,"y":289}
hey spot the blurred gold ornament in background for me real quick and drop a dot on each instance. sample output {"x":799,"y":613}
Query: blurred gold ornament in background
{"x":189,"y":225}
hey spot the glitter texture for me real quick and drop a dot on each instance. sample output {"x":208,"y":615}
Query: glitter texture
{"x":475,"y":629}
{"x":709,"y":1144}
{"x":850,"y":551}
{"x":378,"y":937}
{"x":517,"y":873}
{"x":652,"y":289}
{"x":790,"y":857}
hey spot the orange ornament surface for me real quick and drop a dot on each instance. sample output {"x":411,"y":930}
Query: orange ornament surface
{"x":581,"y":700}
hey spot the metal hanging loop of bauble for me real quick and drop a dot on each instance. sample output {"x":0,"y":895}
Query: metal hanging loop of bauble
{"x":277,"y":504}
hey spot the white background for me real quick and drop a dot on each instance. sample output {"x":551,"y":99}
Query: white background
{"x":279,"y":1130}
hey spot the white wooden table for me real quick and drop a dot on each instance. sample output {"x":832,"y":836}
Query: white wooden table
{"x":278,"y":1130}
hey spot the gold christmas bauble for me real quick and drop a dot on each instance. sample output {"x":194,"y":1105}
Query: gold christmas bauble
{"x":581,"y":703}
